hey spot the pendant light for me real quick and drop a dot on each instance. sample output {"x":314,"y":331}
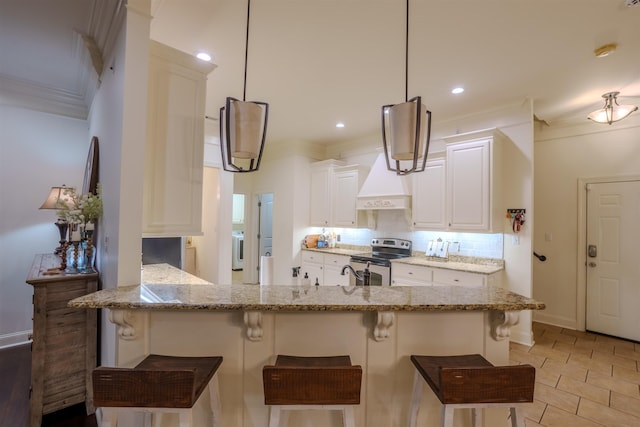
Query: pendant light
{"x":611,"y":112}
{"x":406,"y":127}
{"x":243,"y":126}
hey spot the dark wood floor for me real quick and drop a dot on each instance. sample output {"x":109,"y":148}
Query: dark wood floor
{"x":15,"y":380}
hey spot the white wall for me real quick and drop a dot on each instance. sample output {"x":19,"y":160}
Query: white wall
{"x":37,"y":151}
{"x":563,"y":155}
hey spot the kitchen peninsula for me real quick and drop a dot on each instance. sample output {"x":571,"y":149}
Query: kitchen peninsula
{"x":379,"y":327}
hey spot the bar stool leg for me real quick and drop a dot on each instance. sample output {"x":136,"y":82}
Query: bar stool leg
{"x":415,"y":399}
{"x":475,"y":422}
{"x":109,"y":418}
{"x":214,"y":399}
{"x":447,"y":416}
{"x":348,"y":419}
{"x":186,"y":419}
{"x":517,"y":416}
{"x":274,"y":417}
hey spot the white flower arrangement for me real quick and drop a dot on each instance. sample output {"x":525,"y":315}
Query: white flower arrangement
{"x":81,"y":209}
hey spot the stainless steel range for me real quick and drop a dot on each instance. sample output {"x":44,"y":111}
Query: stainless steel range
{"x":383,"y":250}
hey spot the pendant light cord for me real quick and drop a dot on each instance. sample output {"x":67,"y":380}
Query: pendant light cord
{"x":406,"y":56}
{"x":246,"y":52}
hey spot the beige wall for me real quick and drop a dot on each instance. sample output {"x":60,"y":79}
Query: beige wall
{"x":562,"y":156}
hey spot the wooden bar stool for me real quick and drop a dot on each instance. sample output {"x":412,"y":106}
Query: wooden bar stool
{"x":298,"y":383}
{"x":471,"y":381}
{"x":157,"y":384}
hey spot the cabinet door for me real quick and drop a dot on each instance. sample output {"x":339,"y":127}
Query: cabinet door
{"x":320,"y":197}
{"x":468,"y":173}
{"x":345,"y":190}
{"x":333,"y":265}
{"x":429,"y":201}
{"x":455,"y":277}
{"x":312,"y":264}
{"x":174,"y":150}
{"x":315,"y":271}
{"x":410,"y":275}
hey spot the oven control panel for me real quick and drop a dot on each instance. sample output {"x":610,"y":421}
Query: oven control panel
{"x":386,"y":242}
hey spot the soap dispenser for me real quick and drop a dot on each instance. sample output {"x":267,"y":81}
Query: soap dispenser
{"x":295,"y":279}
{"x":306,"y":281}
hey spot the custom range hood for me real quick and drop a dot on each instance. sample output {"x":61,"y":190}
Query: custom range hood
{"x":384,"y":190}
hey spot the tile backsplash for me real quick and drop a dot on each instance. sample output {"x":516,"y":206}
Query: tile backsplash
{"x":394,"y":224}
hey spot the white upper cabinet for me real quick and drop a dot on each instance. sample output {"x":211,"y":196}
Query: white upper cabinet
{"x":429,"y":196}
{"x":333,"y":192}
{"x":174,"y":150}
{"x":321,"y":194}
{"x":474,"y":178}
{"x":347,"y":181}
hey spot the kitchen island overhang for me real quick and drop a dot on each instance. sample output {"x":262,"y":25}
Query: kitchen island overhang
{"x":254,"y":300}
{"x":379,"y":327}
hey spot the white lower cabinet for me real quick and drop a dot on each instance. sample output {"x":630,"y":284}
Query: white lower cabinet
{"x":455,"y":277}
{"x":333,"y":268}
{"x":411,"y":275}
{"x":325,"y":267}
{"x":416,"y":275}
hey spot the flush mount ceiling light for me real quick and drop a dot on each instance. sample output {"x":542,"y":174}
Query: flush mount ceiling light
{"x":605,"y":50}
{"x":243,"y":126}
{"x":611,"y":112}
{"x":406,"y":127}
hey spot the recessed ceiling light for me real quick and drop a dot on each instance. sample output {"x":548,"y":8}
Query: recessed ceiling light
{"x":457,"y":90}
{"x":203,"y":56}
{"x":339,"y":125}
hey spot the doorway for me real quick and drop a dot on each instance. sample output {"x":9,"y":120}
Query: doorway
{"x":611,"y":270}
{"x":264,"y":227}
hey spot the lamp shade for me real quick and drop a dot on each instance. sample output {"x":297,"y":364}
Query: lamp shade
{"x":406,"y":129}
{"x":612,"y":111}
{"x":405,"y":132}
{"x":56,"y":193}
{"x":242,"y":134}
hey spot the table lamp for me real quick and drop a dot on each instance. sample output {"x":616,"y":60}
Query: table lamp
{"x":57,"y":193}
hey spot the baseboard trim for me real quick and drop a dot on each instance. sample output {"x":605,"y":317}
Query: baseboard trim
{"x":559,"y":321}
{"x":14,"y":339}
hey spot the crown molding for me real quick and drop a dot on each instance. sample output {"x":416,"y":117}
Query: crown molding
{"x":34,"y":96}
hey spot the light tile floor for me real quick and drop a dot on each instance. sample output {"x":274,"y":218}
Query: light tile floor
{"x":582,"y":379}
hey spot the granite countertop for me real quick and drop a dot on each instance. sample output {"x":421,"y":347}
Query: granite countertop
{"x":454,"y":262}
{"x":168,"y":288}
{"x":343,"y":250}
{"x":211,"y":297}
{"x":468,"y":264}
{"x":168,"y":274}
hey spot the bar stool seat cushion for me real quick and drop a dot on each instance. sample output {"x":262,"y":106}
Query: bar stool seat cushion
{"x":156,"y":382}
{"x":473,"y":379}
{"x":296,"y":380}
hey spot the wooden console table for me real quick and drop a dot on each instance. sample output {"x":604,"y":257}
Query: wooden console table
{"x":63,"y":352}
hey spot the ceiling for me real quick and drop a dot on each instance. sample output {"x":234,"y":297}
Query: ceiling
{"x":318,"y":62}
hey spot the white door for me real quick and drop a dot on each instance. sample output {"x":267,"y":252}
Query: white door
{"x":613,"y":267}
{"x":266,"y":219}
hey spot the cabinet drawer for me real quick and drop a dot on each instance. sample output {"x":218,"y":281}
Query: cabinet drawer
{"x":405,"y":274}
{"x":310,"y":256}
{"x":336,"y":260}
{"x":454,"y":277}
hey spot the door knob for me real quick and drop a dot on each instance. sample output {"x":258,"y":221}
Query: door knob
{"x":592,"y":264}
